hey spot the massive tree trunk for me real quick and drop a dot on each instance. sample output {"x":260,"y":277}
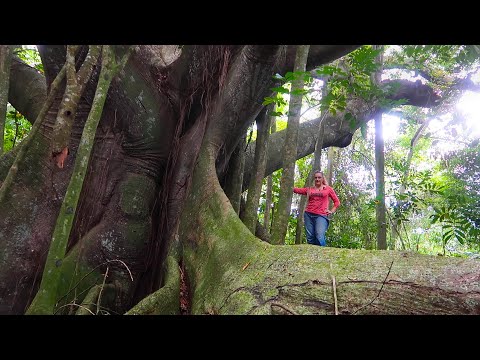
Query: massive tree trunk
{"x":171,"y":120}
{"x":28,"y":89}
{"x":112,"y":220}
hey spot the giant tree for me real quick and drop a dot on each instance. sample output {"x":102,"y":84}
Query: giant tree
{"x":152,"y":208}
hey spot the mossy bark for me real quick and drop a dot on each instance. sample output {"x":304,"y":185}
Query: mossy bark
{"x":166,"y":300}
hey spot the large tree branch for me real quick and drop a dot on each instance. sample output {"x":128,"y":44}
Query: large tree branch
{"x":338,"y":130}
{"x":261,"y":64}
{"x":247,"y":84}
{"x":415,"y":93}
{"x":337,"y":133}
{"x":28,"y":89}
{"x":318,"y":55}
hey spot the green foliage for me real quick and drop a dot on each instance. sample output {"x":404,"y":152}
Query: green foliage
{"x":16,"y":128}
{"x":436,"y":58}
{"x":455,"y":224}
{"x":420,"y":186}
{"x":30,"y":56}
{"x":349,"y":77}
{"x":283,"y":91}
{"x":460,"y":214}
{"x":281,"y":124}
{"x":353,"y":225}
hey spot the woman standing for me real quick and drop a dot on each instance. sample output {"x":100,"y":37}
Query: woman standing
{"x":317,"y":210}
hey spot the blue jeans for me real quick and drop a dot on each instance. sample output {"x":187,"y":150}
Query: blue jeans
{"x":316,"y":226}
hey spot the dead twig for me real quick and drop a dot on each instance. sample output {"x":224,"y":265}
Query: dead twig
{"x":283,"y":307}
{"x":80,"y":306}
{"x":334,"y":286}
{"x":379,"y":291}
{"x":101,"y":289}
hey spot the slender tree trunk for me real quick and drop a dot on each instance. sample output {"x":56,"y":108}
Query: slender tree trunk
{"x":401,"y":191}
{"x":330,"y":164}
{"x":268,"y":196}
{"x":250,"y":215}
{"x":290,"y":150}
{"x":234,"y":178}
{"x":380,"y":167}
{"x":5,"y":61}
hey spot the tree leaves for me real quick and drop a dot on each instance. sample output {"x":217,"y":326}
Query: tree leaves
{"x":16,"y":128}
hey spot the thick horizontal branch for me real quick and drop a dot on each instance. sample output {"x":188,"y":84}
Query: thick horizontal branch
{"x":28,"y":89}
{"x":318,"y":55}
{"x":338,"y":130}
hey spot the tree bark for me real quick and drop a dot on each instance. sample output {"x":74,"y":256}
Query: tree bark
{"x":45,"y":300}
{"x":117,"y":198}
{"x":269,"y":194}
{"x":330,"y":164}
{"x":253,"y":196}
{"x":28,"y":89}
{"x":234,"y":178}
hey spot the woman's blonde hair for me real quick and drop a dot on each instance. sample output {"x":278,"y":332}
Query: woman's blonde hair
{"x":324,"y":179}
